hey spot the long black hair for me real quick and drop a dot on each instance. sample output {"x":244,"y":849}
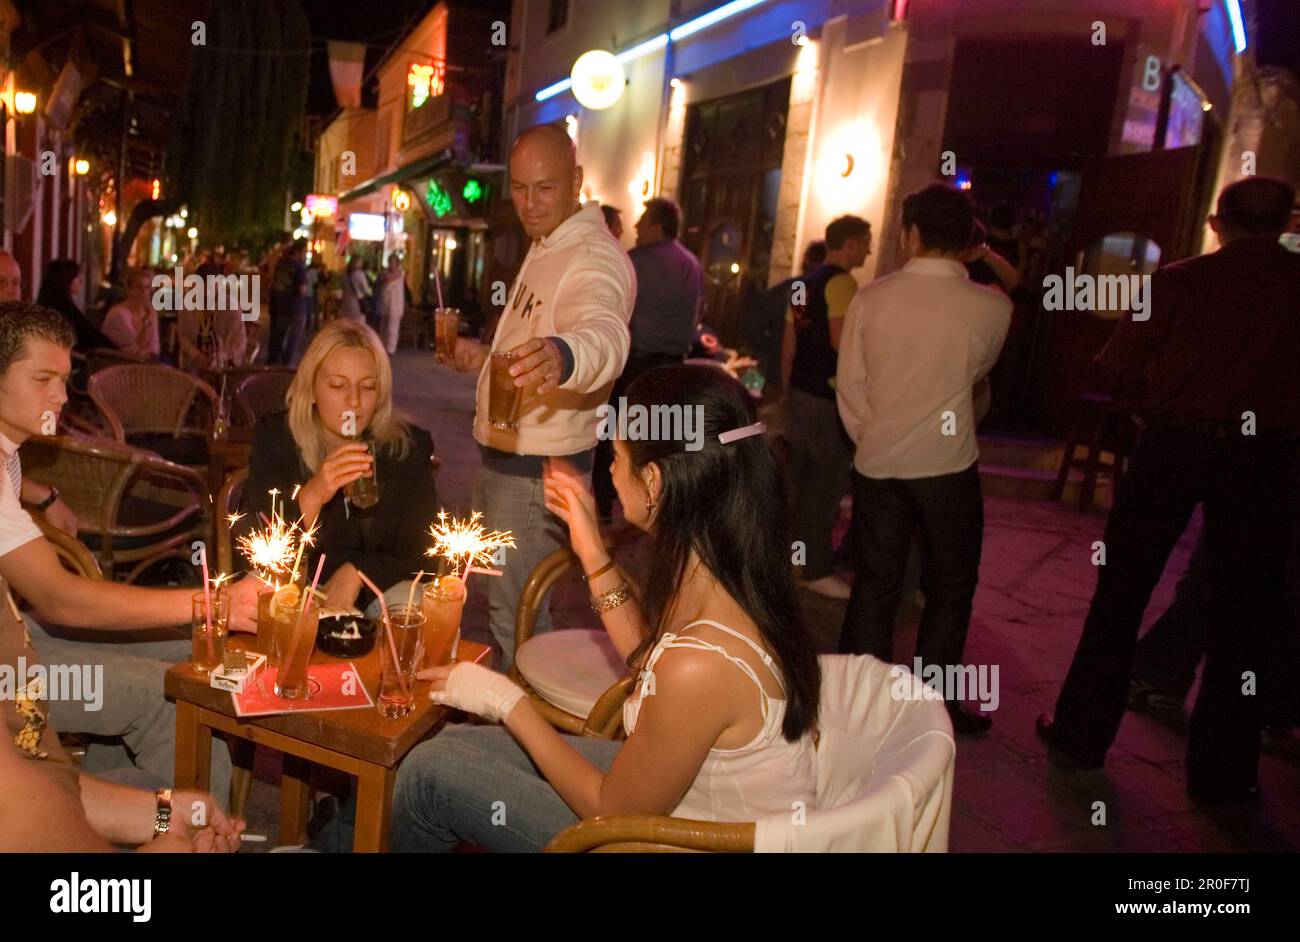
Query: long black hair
{"x":56,"y":286}
{"x":727,"y":504}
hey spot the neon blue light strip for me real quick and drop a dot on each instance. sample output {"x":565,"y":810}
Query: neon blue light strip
{"x":688,"y":28}
{"x":713,"y":16}
{"x":550,"y":91}
{"x":650,"y":45}
{"x":1238,"y":27}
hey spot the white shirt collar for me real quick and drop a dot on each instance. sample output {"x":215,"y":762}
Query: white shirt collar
{"x":935,"y":266}
{"x":6,"y":446}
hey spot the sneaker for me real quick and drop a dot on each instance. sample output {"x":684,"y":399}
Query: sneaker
{"x":832,"y":587}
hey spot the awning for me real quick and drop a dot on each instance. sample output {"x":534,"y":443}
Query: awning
{"x":425,"y":166}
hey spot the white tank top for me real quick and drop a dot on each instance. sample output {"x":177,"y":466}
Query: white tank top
{"x":767,"y":775}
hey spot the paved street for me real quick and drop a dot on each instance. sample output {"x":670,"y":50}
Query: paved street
{"x":1036,"y":582}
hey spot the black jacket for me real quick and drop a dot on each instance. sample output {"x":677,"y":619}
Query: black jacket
{"x":386,"y":542}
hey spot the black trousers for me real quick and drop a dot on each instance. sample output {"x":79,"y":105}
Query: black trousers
{"x":948,"y":512}
{"x":1238,"y":480}
{"x":602,"y":484}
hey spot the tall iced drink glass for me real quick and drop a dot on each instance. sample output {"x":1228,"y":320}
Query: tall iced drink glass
{"x":208,"y":639}
{"x":504,"y":397}
{"x":446,"y":328}
{"x":295,"y":639}
{"x":399,"y":659}
{"x":444,"y":601}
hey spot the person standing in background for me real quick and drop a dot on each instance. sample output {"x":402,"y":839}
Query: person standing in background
{"x":356,"y":289}
{"x":614,"y":220}
{"x":289,"y":304}
{"x":817,"y":465}
{"x":765,"y":329}
{"x":915,"y":344}
{"x":670,"y":290}
{"x":392,"y":287}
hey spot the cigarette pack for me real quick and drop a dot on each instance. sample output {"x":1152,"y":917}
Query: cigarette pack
{"x":237,"y":678}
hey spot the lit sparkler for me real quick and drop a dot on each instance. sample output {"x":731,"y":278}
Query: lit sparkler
{"x":466,"y":544}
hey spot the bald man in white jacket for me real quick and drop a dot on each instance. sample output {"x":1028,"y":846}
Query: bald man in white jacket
{"x":567,"y":319}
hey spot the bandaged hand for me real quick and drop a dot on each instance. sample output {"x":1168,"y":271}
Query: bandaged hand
{"x":474,"y":689}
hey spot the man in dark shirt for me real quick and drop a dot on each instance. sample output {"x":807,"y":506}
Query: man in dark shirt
{"x":765,"y":324}
{"x":817,"y":468}
{"x":1212,"y":375}
{"x":669,"y":291}
{"x":289,"y":305}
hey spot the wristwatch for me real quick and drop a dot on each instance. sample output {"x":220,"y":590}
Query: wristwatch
{"x":50,"y":499}
{"x":163,"y":819}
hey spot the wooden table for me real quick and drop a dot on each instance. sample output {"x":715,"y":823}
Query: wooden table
{"x":359,"y":742}
{"x":228,"y":454}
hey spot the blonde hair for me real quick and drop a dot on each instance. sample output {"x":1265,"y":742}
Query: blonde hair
{"x":387,"y":429}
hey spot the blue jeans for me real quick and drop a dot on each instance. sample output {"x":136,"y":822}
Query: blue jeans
{"x":476,"y":784}
{"x":514,"y":503}
{"x":132,"y":706}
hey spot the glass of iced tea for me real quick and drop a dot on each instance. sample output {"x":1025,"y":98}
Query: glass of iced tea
{"x":266,"y":624}
{"x":504,"y":397}
{"x":444,"y":601}
{"x":209,"y":629}
{"x":364,"y":491}
{"x":446,"y":328}
{"x":399,"y":659}
{"x":295,"y":639}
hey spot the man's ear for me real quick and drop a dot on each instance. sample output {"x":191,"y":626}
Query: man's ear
{"x":1215,"y":224}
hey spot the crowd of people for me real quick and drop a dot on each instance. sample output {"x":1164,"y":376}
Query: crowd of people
{"x":882,"y":391}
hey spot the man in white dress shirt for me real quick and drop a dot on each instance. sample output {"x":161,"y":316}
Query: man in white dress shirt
{"x":913,"y":345}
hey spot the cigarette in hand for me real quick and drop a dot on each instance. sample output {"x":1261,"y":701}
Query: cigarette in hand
{"x":253,"y":838}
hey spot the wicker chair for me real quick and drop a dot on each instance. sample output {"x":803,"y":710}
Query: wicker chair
{"x":100,"y":358}
{"x":884,"y":780}
{"x":134,"y":507}
{"x":263,"y":392}
{"x":575,"y":704}
{"x":156,"y":407}
{"x":228,"y":500}
{"x":74,"y":554}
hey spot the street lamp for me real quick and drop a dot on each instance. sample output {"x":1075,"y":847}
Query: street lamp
{"x":192,"y":232}
{"x":24,"y":102}
{"x":81,"y":166}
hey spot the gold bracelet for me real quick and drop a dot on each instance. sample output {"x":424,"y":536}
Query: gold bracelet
{"x":611,"y":599}
{"x":587,"y":577}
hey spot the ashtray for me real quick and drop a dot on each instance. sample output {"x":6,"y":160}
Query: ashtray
{"x":345,"y":633}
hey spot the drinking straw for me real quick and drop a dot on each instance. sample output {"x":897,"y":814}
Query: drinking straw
{"x":307,"y":596}
{"x":207,"y":600}
{"x":410,"y":596}
{"x":486,"y":572}
{"x":388,"y":630}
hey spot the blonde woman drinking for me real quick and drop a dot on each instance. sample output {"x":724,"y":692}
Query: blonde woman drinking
{"x":340,"y":425}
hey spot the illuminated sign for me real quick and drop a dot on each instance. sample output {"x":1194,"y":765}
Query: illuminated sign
{"x":366,"y":227}
{"x":473,"y":190}
{"x":425,"y":82}
{"x":598,"y":79}
{"x":439,"y":199}
{"x":320,"y":205}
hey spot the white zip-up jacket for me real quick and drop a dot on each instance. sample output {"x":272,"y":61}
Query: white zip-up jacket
{"x":576,"y":284}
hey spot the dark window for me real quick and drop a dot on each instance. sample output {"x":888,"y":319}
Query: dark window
{"x":557,"y":14}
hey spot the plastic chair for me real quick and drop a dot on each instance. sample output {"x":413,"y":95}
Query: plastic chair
{"x":885,"y":759}
{"x":134,"y":507}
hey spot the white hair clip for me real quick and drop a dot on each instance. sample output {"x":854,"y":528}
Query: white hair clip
{"x":745,"y":431}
